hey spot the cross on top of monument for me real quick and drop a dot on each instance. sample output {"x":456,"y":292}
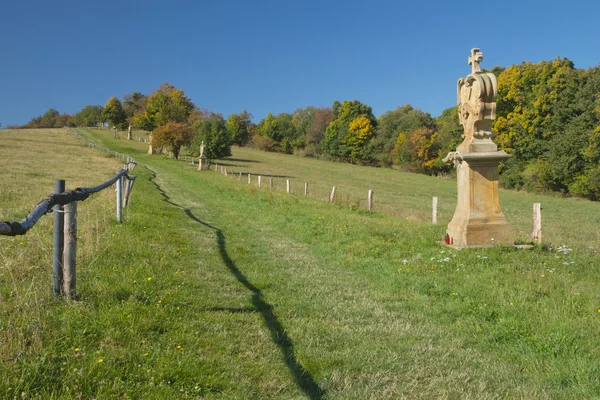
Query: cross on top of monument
{"x":475,"y":59}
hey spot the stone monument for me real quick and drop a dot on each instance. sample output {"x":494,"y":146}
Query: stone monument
{"x":129,"y":134}
{"x":150,"y":148}
{"x":478,"y":220}
{"x":202,"y":160}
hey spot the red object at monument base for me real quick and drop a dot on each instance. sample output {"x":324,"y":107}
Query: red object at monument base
{"x":447,"y":239}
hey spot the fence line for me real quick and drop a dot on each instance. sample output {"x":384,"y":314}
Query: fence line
{"x":93,"y":145}
{"x":65,"y":220}
{"x":46,"y":204}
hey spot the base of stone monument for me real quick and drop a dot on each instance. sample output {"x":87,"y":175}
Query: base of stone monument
{"x":480,"y":233}
{"x":202,"y":164}
{"x":478,"y":220}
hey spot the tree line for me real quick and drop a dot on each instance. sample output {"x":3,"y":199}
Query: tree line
{"x":548,"y":118}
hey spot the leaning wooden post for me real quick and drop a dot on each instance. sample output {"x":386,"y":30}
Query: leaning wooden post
{"x":370,"y":200}
{"x":434,"y":210}
{"x":287,"y":185}
{"x":306,"y":188}
{"x":119,"y":200}
{"x":332,"y":195}
{"x":70,"y":250}
{"x":57,"y":274}
{"x":270,"y":183}
{"x":259,"y":178}
{"x":536,"y":235}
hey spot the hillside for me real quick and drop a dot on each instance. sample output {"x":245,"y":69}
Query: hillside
{"x":214,"y":288}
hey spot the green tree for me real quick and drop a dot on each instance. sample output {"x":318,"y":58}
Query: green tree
{"x":133,"y":105}
{"x":88,"y":116}
{"x":239,"y":126}
{"x":113,"y":113}
{"x":215,"y":135}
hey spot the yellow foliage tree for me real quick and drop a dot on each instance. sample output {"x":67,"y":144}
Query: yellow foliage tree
{"x":360,"y":132}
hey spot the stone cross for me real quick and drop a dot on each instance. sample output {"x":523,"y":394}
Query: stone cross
{"x":475,"y":59}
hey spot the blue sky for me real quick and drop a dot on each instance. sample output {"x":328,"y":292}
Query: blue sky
{"x":274,"y":55}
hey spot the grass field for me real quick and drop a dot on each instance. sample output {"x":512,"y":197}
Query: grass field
{"x":212,"y":288}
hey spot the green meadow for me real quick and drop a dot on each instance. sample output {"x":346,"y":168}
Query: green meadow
{"x":216,"y":288}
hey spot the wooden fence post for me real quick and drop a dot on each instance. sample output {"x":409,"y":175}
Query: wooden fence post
{"x":536,"y":235}
{"x":306,"y":188}
{"x":434,"y":210}
{"x":332,"y":195}
{"x":57,"y":274}
{"x":70,"y":250}
{"x":119,"y":200}
{"x":259,"y":178}
{"x":370,"y":200}
{"x":287,"y":185}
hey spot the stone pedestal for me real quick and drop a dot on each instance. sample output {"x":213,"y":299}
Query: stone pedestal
{"x":478,"y":220}
{"x":202,"y":163}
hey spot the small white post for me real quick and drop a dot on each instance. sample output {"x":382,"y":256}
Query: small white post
{"x":434,"y":210}
{"x":240,"y":176}
{"x":536,"y":235}
{"x":259,"y":178}
{"x":287,"y":185}
{"x":225,"y":172}
{"x":306,"y":188}
{"x":332,"y":195}
{"x":249,"y":179}
{"x":270,"y":183}
{"x":370,"y":200}
{"x":216,"y":167}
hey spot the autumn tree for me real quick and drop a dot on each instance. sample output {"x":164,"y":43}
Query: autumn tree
{"x":50,"y":119}
{"x":315,"y":131}
{"x":334,"y":141}
{"x":167,"y":104}
{"x":403,"y":120}
{"x":173,"y":135}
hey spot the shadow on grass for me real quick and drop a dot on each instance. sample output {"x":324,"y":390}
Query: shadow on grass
{"x":303,"y":378}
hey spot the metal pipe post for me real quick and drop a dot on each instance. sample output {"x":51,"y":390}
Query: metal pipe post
{"x":120,"y":200}
{"x":59,"y":239}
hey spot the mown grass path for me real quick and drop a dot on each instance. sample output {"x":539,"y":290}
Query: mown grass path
{"x":216,"y":289}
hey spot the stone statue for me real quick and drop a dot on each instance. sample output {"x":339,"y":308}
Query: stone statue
{"x":129,"y":133}
{"x":478,"y":220}
{"x":202,"y":161}
{"x":477,"y":106}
